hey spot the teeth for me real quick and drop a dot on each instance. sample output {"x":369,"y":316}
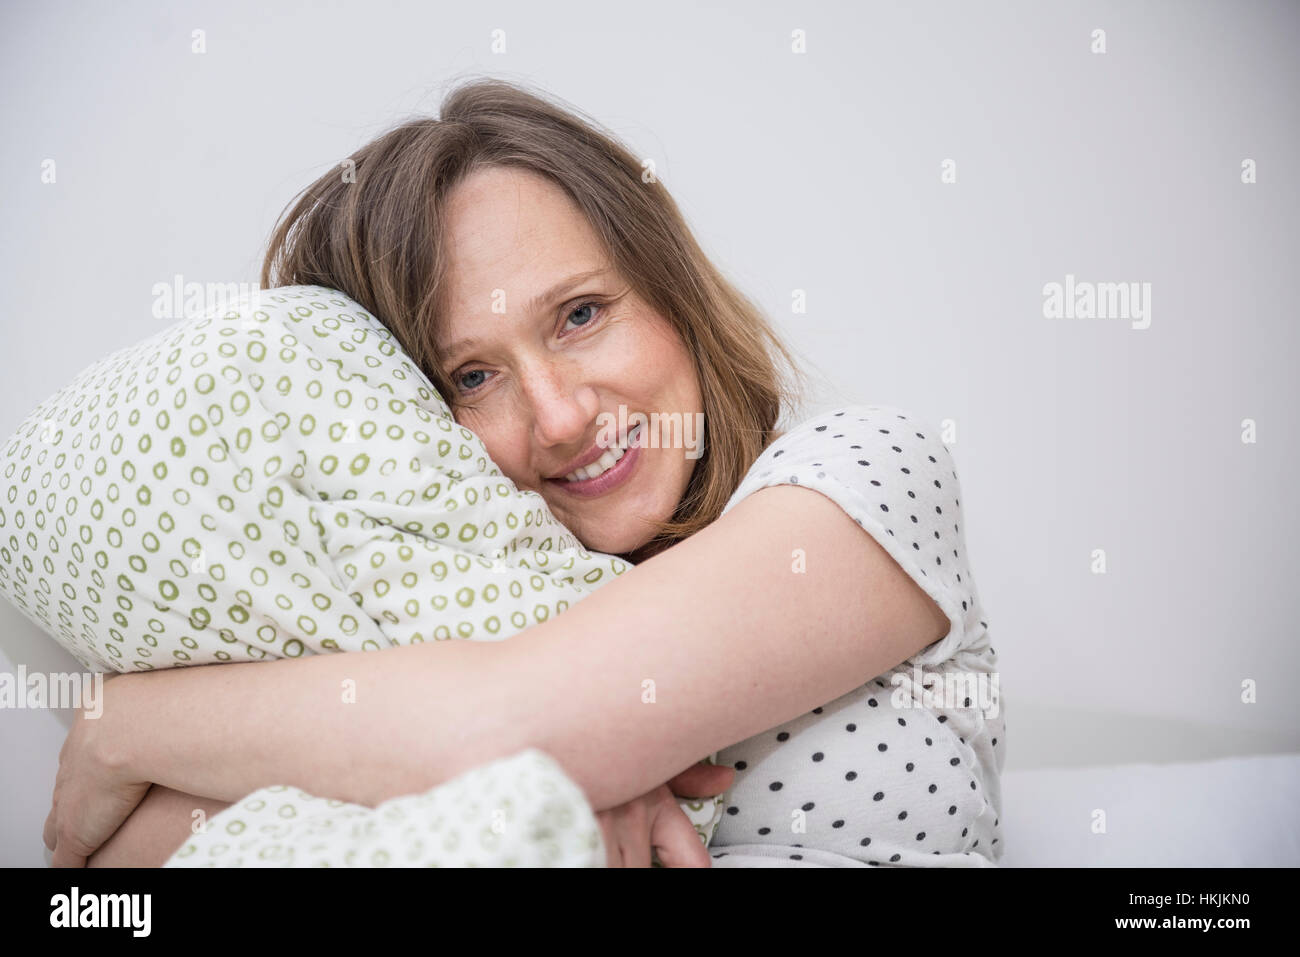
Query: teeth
{"x":598,"y":467}
{"x":606,"y":461}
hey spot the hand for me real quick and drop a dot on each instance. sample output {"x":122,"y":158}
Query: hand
{"x":93,"y":792}
{"x":655,"y":820}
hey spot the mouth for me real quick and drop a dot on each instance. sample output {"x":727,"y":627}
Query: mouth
{"x":606,"y":473}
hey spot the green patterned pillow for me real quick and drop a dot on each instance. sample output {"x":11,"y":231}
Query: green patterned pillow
{"x":268,"y":480}
{"x":275,"y":481}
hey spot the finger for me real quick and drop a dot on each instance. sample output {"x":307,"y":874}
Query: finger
{"x":688,"y":782}
{"x":635,"y":833}
{"x":619,"y":826}
{"x":620,"y":838}
{"x":613,"y":857}
{"x":68,"y":853}
{"x":677,"y":842}
{"x":702,"y":780}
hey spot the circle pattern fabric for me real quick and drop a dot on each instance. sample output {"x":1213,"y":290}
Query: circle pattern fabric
{"x":520,"y":811}
{"x":270,"y":483}
{"x":273,"y":479}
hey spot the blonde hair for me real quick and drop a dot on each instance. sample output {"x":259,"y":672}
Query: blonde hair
{"x":378,"y":240}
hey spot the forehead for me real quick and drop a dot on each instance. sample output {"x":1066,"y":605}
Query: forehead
{"x":511,"y":230}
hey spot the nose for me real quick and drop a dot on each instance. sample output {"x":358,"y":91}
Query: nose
{"x":564,"y":407}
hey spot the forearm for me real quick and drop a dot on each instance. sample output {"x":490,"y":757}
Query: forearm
{"x":360,"y":727}
{"x":158,"y":826}
{"x":683,"y":655}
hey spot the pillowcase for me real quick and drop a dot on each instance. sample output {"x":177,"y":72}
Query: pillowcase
{"x":272,"y":479}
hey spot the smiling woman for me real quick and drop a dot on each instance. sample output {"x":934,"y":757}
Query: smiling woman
{"x":783,"y":582}
{"x":525,"y":263}
{"x":542,"y":376}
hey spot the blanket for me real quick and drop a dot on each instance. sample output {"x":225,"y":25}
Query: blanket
{"x":277,"y":478}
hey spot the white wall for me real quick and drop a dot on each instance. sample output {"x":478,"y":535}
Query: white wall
{"x":818,"y":172}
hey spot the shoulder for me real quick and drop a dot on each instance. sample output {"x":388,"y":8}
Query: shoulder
{"x":893,"y":434}
{"x":882,"y":458}
{"x":888,"y":468}
{"x":892,"y":473}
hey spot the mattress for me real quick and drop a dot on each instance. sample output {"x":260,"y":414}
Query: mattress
{"x":1231,"y":812}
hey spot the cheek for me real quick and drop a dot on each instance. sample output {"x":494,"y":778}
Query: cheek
{"x":502,"y":447}
{"x":657,"y":365}
{"x":626,"y":359}
{"x":679,"y":378}
{"x":506,"y":453}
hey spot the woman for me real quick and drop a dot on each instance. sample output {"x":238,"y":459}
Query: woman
{"x":774,"y":588}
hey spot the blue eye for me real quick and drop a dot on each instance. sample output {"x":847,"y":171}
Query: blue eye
{"x":460,"y":380}
{"x":592,"y":309}
{"x":594,"y":306}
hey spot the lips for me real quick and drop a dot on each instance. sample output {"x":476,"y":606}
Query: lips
{"x":587,"y":458}
{"x":616,"y":475}
{"x":607,"y":460}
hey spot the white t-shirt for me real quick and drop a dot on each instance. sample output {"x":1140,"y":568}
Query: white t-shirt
{"x":899,"y":772}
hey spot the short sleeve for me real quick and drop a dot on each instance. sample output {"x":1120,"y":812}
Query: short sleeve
{"x":893,"y":475}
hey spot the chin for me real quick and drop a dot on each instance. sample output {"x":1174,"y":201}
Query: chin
{"x":610,"y":529}
{"x":621,"y":542}
{"x":617,"y":536}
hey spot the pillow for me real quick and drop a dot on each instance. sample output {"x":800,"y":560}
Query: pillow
{"x":268,"y":480}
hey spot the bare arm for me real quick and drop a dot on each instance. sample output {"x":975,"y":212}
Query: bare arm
{"x":156,"y":828}
{"x":732,"y":639}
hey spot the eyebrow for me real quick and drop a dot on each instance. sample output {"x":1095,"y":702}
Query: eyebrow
{"x":536,"y":303}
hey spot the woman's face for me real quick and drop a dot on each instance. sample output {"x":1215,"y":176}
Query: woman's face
{"x":553,"y":362}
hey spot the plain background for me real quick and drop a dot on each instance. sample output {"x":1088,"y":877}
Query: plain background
{"x":818,"y":172}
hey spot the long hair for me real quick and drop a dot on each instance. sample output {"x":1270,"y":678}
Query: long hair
{"x":374,"y":232}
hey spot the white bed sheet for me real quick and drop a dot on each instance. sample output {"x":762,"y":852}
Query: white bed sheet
{"x":1232,"y":812}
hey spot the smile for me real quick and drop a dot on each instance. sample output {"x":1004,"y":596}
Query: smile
{"x":608,"y":472}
